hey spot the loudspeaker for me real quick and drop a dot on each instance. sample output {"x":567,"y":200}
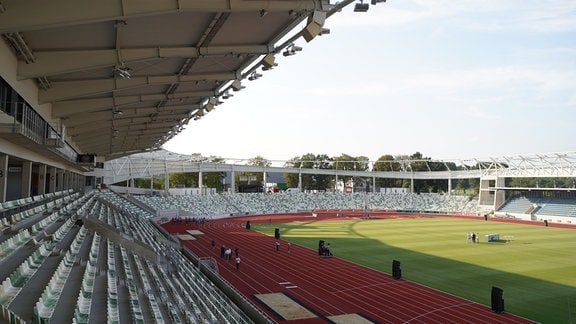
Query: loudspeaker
{"x":277,"y":233}
{"x":310,"y":31}
{"x":318,"y":17}
{"x":396,"y":271}
{"x":85,"y":158}
{"x":314,"y":25}
{"x":497,"y":300}
{"x":268,"y":61}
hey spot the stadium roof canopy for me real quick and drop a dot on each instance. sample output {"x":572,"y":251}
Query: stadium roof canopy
{"x":162,"y":162}
{"x":125,"y":76}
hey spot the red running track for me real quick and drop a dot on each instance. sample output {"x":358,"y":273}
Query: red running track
{"x":326,"y":287}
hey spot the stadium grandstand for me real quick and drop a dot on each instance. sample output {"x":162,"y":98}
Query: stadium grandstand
{"x":89,"y":93}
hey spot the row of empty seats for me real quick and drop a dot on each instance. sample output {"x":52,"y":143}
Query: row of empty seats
{"x":17,"y":214}
{"x":13,"y":285}
{"x":542,"y":206}
{"x":88,"y":277}
{"x":223,"y":204}
{"x":45,"y":307}
{"x":25,"y":203}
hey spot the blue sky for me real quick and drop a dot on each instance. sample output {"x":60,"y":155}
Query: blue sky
{"x":449,"y":79}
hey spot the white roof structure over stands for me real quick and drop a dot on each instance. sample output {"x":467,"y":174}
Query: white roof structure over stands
{"x":161,"y":162}
{"x":116,"y":77}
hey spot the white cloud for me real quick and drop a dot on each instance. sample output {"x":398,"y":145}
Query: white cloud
{"x":483,"y":114}
{"x":535,"y":15}
{"x":501,"y":80}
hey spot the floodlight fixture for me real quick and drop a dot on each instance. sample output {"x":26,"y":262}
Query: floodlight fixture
{"x":291,"y":50}
{"x":361,"y":6}
{"x":269,"y":67}
{"x":227,"y":95}
{"x":254,"y":76}
{"x":324,"y":31}
{"x":377,"y":1}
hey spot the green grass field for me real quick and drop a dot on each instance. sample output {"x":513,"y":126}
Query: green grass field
{"x":536,"y":270}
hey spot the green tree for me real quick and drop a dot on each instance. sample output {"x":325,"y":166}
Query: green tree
{"x":253,"y":178}
{"x":387,"y":163}
{"x":191,"y":179}
{"x":403,"y":162}
{"x":158,"y":183}
{"x":322,"y":181}
{"x":521,"y":182}
{"x":344,"y":162}
{"x":470,"y":186}
{"x":184,"y":180}
{"x":307,"y":161}
{"x":350,"y":163}
{"x":214,"y":179}
{"x":291,"y":179}
{"x":419,"y":163}
{"x":309,"y":181}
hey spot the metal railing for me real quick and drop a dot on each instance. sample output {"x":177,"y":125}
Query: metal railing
{"x":25,"y":121}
